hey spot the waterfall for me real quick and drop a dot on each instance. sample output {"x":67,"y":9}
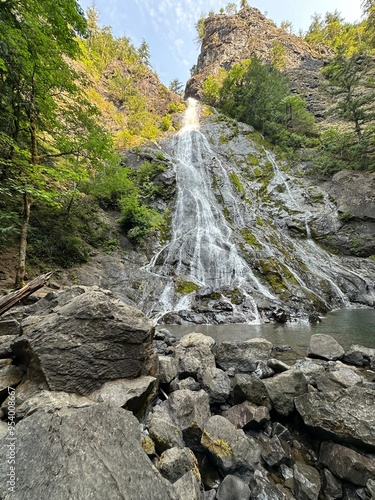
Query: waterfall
{"x":202,"y":247}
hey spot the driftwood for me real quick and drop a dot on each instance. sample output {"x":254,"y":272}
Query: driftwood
{"x":13,"y":298}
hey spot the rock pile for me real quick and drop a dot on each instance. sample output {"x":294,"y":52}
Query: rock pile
{"x":215,"y":421}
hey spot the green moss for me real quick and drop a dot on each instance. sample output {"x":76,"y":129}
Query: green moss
{"x":235,"y":296}
{"x":250,"y":238}
{"x":259,"y":221}
{"x":372,"y":257}
{"x":252,"y":160}
{"x":236,"y":182}
{"x":218,"y":447}
{"x":185,"y":287}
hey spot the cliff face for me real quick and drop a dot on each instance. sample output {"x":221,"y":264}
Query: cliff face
{"x":231,"y":39}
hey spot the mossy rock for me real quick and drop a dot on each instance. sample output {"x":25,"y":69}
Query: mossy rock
{"x":185,"y":287}
{"x":250,"y":238}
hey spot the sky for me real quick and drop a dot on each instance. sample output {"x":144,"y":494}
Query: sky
{"x":168,"y":26}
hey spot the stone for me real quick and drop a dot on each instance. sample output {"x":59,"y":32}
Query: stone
{"x":370,"y":485}
{"x":9,"y":326}
{"x":6,"y":342}
{"x":242,"y":356}
{"x":251,"y":388}
{"x":307,"y":482}
{"x":167,"y":369}
{"x":262,"y":488}
{"x":360,"y":356}
{"x":277,"y":366}
{"x":163,"y":431}
{"x":189,"y":411}
{"x":283,"y":388}
{"x":191,"y":358}
{"x":332,"y":487}
{"x":10,"y":376}
{"x":3,"y":429}
{"x":231,"y":449}
{"x":51,"y":400}
{"x":346,"y":415}
{"x":186,"y":383}
{"x":312,"y":369}
{"x":187,"y":487}
{"x":91,"y":339}
{"x":273,"y":452}
{"x":216,"y":383}
{"x":197,"y":339}
{"x":246,"y":415}
{"x":324,"y":347}
{"x":131,"y":394}
{"x":234,"y":488}
{"x":340,"y":376}
{"x":209,"y":495}
{"x":263,"y":370}
{"x":175,"y":462}
{"x":347,"y":464}
{"x":91,"y":452}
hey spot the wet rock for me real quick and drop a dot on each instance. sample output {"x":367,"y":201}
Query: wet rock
{"x":247,"y":415}
{"x":131,"y":394}
{"x":250,"y":388}
{"x":163,"y":431}
{"x":230,"y":448}
{"x":167,"y":369}
{"x":216,"y":383}
{"x":347,"y":415}
{"x":283,"y":388}
{"x":263,"y":370}
{"x":347,"y":464}
{"x":307,"y":482}
{"x":91,"y":339}
{"x":187,"y":487}
{"x":91,"y":452}
{"x":176,"y":462}
{"x":242,"y":356}
{"x":324,"y":347}
{"x":189,"y":411}
{"x":234,"y":488}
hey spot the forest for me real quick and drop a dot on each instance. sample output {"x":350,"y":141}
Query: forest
{"x":61,"y":138}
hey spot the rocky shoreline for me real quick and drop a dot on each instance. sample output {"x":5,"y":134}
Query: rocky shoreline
{"x":96,"y":404}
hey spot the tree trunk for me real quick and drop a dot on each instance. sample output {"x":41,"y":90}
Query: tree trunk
{"x":21,"y":268}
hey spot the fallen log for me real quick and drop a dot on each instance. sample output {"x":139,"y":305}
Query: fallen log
{"x":11,"y":299}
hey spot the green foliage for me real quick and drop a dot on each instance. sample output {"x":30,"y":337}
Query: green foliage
{"x":250,"y":238}
{"x":278,"y":54}
{"x":138,"y":220}
{"x":211,"y":87}
{"x":185,"y":287}
{"x":200,"y":29}
{"x":176,"y":86}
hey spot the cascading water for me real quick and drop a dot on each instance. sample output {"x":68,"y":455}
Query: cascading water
{"x":202,"y":246}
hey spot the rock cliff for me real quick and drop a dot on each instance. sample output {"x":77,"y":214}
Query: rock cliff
{"x":229,"y":39}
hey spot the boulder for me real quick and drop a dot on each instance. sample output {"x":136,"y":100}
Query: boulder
{"x":273,"y":452}
{"x":262,"y":488}
{"x":360,"y":356}
{"x":6,"y":342}
{"x":346,"y":415}
{"x":187,"y":487}
{"x":10,"y":376}
{"x":307,"y":482}
{"x":324,"y":347}
{"x":230,"y":448}
{"x":189,"y":411}
{"x":131,"y":394}
{"x":193,"y":353}
{"x":216,"y":383}
{"x":163,"y":431}
{"x":186,"y":383}
{"x":242,"y":356}
{"x":246,"y":415}
{"x":51,"y":400}
{"x":347,"y":464}
{"x":91,"y":339}
{"x":176,"y":462}
{"x":91,"y":452}
{"x":331,"y":487}
{"x":283,"y":388}
{"x":339,"y":376}
{"x":251,"y":388}
{"x":167,"y":369}
{"x":233,"y":487}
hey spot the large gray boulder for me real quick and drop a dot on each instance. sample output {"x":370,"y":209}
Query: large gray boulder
{"x":176,"y":462}
{"x":242,"y":356}
{"x":231,"y":449}
{"x":307,"y":482}
{"x":248,"y":387}
{"x":233,"y":487}
{"x":216,"y":383}
{"x":193,"y":353}
{"x":283,"y":388}
{"x":360,"y":356}
{"x":91,"y":452}
{"x":325,"y":347}
{"x":346,"y":415}
{"x":247,"y":415}
{"x":163,"y":431}
{"x":91,"y":339}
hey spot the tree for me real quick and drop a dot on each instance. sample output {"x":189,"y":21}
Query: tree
{"x":231,"y":9}
{"x":176,"y":86}
{"x":200,"y":29}
{"x":144,"y":52}
{"x":369,"y":10}
{"x":287,"y":26}
{"x":50,"y":139}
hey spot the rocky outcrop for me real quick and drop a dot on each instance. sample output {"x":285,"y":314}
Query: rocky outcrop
{"x":81,"y":338}
{"x":229,"y":39}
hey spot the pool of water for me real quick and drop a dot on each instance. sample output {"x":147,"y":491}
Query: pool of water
{"x":347,"y":326}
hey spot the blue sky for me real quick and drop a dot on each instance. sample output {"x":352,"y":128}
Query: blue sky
{"x":168,"y":25}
